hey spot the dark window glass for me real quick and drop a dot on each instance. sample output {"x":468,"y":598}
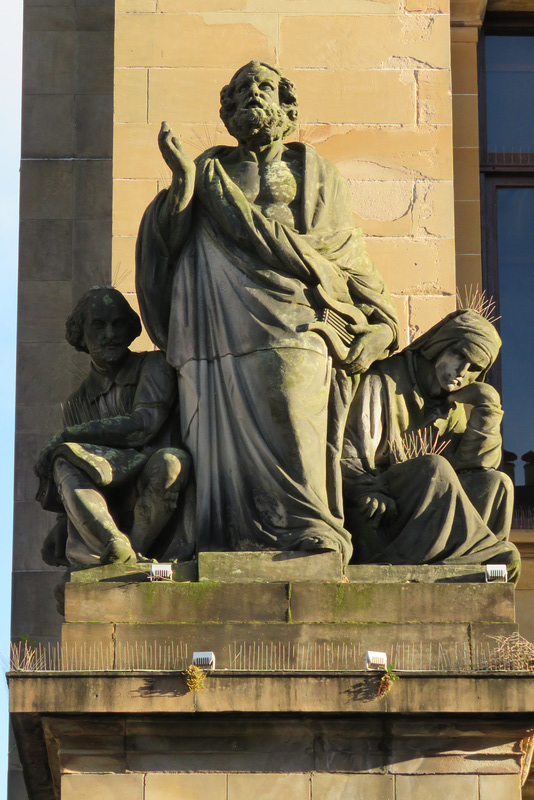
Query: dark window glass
{"x":510,"y":94}
{"x":515,"y":224}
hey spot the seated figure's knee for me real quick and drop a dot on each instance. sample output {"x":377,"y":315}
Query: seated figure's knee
{"x":438,"y":467}
{"x":166,"y":470}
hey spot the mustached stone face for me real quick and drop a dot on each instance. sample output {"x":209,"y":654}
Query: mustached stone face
{"x":106,"y":331}
{"x":258,"y":117}
{"x":453,"y":370}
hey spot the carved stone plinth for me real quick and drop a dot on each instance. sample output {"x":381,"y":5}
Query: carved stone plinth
{"x":289,"y":708}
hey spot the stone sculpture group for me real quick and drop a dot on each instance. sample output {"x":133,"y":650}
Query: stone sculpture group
{"x":273,"y":415}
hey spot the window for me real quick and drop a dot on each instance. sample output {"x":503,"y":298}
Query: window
{"x":507,"y":181}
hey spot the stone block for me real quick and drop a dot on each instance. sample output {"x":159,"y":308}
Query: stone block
{"x":161,"y":786}
{"x":90,"y":646}
{"x":247,"y":745}
{"x":453,"y":746}
{"x":269,"y":786}
{"x":306,"y":646}
{"x":92,"y":189}
{"x":87,"y":746}
{"x":426,"y":311}
{"x":43,"y":307}
{"x":183,"y":95}
{"x":382,"y":208}
{"x":434,"y":209}
{"x":29,"y":446}
{"x":434,"y":106}
{"x":92,"y":254}
{"x":351,"y":602}
{"x":104,"y":786}
{"x":486,"y":637}
{"x":326,"y":786}
{"x":176,"y":602}
{"x":427,"y":6}
{"x":49,"y":62}
{"x":465,"y":115}
{"x":269,"y":567}
{"x":422,"y":573}
{"x":42,"y":370}
{"x":47,"y":126}
{"x":30,"y":526}
{"x":136,"y":6}
{"x":130,"y":199}
{"x":467,"y":226}
{"x":468,"y":271}
{"x":94,"y":62}
{"x":439,"y":787}
{"x":466,"y":173}
{"x":467,"y":34}
{"x":464,"y":68}
{"x":500,"y":787}
{"x":46,"y":189}
{"x":174,"y":6}
{"x":94,"y":126}
{"x":383,"y":152}
{"x":131,"y":95}
{"x":357,"y":42}
{"x":37,"y":418}
{"x":45,"y":250}
{"x":34,"y":608}
{"x":415,"y":266}
{"x":123,"y":262}
{"x":48,"y":18}
{"x":16,"y":787}
{"x":143,"y":342}
{"x":188,"y":40}
{"x":137,"y":152}
{"x":361,"y":7}
{"x":95,"y":17}
{"x":357,"y":96}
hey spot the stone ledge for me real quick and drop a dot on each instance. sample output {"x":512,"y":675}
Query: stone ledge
{"x":508,"y":694}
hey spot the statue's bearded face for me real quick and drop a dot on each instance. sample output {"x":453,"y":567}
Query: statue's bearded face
{"x":258,"y":117}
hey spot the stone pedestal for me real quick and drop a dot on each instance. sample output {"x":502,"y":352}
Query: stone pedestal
{"x":289,"y":710}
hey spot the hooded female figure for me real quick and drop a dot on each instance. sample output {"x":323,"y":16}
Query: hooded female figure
{"x":405,"y":505}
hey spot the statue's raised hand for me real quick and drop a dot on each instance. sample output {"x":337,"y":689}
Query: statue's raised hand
{"x":179,"y":163}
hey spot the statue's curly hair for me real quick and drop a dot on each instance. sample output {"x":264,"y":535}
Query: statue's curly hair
{"x":287,"y":96}
{"x":76,"y":320}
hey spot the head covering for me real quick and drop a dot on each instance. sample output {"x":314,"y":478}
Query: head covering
{"x":468,"y":332}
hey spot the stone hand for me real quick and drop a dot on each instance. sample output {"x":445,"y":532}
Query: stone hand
{"x":476,"y":394}
{"x":171,"y":149}
{"x":367,"y":348}
{"x":376,"y":505}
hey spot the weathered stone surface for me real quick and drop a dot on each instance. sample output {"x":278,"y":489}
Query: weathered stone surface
{"x":268,"y":786}
{"x":185,"y":602}
{"x":401,"y":602}
{"x":440,"y":787}
{"x":421,"y":573}
{"x":269,"y":567}
{"x":147,"y":693}
{"x":326,"y":786}
{"x":161,"y":786}
{"x":311,"y":646}
{"x":87,"y":787}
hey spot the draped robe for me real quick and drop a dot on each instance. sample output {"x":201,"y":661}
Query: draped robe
{"x":262,"y":390}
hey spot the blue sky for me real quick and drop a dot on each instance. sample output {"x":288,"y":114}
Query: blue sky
{"x":10,"y":62}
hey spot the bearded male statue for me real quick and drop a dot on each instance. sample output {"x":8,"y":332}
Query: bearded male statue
{"x":253,"y":280}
